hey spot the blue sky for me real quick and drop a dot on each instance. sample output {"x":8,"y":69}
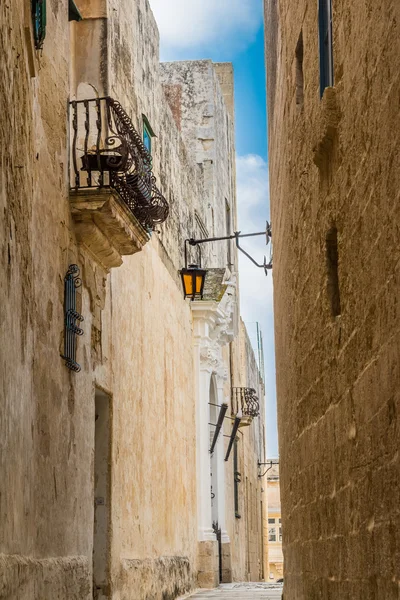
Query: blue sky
{"x":232,"y":30}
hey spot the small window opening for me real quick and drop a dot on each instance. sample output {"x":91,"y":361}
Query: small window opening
{"x":325,"y":44}
{"x":148,"y":134}
{"x":332,"y":255}
{"x":228,"y":224}
{"x":271,"y":530}
{"x":299,"y":72}
{"x":212,"y":221}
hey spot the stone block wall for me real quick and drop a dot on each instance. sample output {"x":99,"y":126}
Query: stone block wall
{"x":137,"y":343}
{"x":46,"y":448}
{"x":334,"y":176}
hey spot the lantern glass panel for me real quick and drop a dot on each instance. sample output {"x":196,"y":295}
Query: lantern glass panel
{"x":188,"y":284}
{"x":199,"y":283}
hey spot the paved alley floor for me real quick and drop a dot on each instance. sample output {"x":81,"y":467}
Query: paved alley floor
{"x":241,"y":591}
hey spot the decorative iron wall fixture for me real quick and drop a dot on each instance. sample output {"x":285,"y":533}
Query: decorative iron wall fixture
{"x":218,"y":426}
{"x":271,"y":463}
{"x":107,"y":151}
{"x":235,"y":428}
{"x":245,"y":399}
{"x":235,"y":236}
{"x":71,"y":282}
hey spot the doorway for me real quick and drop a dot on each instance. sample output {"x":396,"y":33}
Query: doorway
{"x":102,"y":473}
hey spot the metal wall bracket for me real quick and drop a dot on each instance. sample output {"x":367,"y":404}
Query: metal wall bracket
{"x":235,"y":428}
{"x":218,"y":426}
{"x":71,"y":283}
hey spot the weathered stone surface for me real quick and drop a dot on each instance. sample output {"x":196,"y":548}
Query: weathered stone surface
{"x":163,"y":578}
{"x":334,"y":163}
{"x":105,"y":226}
{"x":137,"y":345}
{"x":249,"y":560}
{"x":23,"y":578}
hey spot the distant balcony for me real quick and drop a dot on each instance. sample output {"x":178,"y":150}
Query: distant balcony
{"x":115,"y":202}
{"x":246,"y":400}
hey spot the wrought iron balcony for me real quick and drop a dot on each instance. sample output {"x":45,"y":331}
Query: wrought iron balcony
{"x":107,"y":152}
{"x":245,"y":399}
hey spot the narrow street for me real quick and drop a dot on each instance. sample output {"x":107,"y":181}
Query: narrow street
{"x":242,"y":591}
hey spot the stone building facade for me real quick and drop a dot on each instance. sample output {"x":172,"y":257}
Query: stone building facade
{"x":105,"y":492}
{"x":333,"y":108}
{"x":275,"y":531}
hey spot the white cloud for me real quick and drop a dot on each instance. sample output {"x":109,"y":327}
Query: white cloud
{"x":188,"y":24}
{"x":253,"y":211}
{"x":256,"y":290}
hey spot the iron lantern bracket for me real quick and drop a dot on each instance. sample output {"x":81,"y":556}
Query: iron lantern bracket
{"x":271,"y":463}
{"x":235,"y":236}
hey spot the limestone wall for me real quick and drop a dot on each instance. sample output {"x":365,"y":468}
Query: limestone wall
{"x":208,"y":131}
{"x":248,"y":556}
{"x":335,"y":163}
{"x":46,"y":446}
{"x":137,"y":344}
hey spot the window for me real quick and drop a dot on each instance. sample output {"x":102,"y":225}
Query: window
{"x":332,"y":258}
{"x":73,"y":12}
{"x":280,"y":533}
{"x":147,"y":139}
{"x":148,"y":134}
{"x":39,"y":22}
{"x":228,"y":231}
{"x":299,"y":72}
{"x":325,"y":44}
{"x":236,"y":477}
{"x":271,"y":531}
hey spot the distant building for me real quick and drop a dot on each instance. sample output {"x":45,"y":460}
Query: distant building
{"x":275,"y":554}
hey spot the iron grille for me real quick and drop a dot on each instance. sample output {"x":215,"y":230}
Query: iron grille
{"x":72,"y":281}
{"x":107,"y":151}
{"x":245,"y":399}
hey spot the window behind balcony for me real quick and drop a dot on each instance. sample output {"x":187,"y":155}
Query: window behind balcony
{"x":39,"y":22}
{"x":325,"y":44}
{"x":271,"y":530}
{"x":148,"y":134}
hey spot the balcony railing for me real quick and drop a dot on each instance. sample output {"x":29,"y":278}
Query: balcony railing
{"x":107,"y":151}
{"x":247,"y":400}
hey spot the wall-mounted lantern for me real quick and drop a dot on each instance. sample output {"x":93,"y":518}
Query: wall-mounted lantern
{"x":193,"y":277}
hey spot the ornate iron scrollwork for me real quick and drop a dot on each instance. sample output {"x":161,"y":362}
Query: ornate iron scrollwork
{"x":72,"y":281}
{"x":112,"y":154}
{"x":247,"y":400}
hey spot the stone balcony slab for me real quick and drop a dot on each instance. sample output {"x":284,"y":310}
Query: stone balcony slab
{"x":105,"y":226}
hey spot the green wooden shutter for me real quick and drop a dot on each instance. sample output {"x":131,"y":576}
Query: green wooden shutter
{"x":39,"y":22}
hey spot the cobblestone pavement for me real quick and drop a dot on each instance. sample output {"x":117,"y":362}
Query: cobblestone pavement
{"x":241,"y":591}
